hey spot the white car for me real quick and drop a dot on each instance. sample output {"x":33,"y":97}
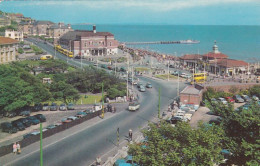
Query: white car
{"x":72,"y":118}
{"x":187,"y":117}
{"x":222,"y":100}
{"x":183,"y":75}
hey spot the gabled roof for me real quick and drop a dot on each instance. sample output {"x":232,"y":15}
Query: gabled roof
{"x":231,"y":63}
{"x":191,"y":91}
{"x":215,"y":55}
{"x":57,"y":26}
{"x":43,"y":22}
{"x":7,"y":40}
{"x":191,"y":57}
{"x":91,"y":34}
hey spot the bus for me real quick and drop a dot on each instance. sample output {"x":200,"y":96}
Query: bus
{"x":199,"y":78}
{"x":45,"y":57}
{"x":63,"y":51}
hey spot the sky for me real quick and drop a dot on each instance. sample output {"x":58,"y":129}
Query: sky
{"x":172,"y":12}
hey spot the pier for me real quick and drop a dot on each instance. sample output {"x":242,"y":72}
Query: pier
{"x":163,"y":42}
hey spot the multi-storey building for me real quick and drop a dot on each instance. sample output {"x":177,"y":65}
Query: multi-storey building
{"x":40,"y":27}
{"x":4,"y":21}
{"x":17,"y":35}
{"x":7,"y":49}
{"x":90,"y":43}
{"x":55,"y":31}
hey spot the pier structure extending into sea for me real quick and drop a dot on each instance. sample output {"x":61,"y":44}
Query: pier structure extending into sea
{"x":163,"y":42}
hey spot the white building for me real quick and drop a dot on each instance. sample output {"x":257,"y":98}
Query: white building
{"x":16,"y":35}
{"x":7,"y":49}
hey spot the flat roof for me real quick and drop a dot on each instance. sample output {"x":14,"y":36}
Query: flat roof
{"x":190,"y":90}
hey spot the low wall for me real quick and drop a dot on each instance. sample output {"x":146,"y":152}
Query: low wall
{"x":226,"y":88}
{"x":4,"y":150}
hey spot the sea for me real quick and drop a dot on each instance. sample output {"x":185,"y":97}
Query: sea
{"x":238,"y":42}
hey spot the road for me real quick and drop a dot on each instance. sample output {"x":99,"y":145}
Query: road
{"x":83,"y":147}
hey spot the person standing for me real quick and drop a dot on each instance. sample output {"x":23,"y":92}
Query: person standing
{"x":18,"y":146}
{"x":130,"y":134}
{"x":14,"y":148}
{"x":98,"y":161}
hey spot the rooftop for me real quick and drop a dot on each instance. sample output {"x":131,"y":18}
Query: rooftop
{"x":215,"y":55}
{"x":57,"y":26}
{"x":231,"y":63}
{"x":191,"y":56}
{"x":191,"y":90}
{"x":43,"y":22}
{"x":7,"y":40}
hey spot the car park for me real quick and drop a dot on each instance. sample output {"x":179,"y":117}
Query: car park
{"x":19,"y":125}
{"x":71,"y":106}
{"x":246,"y":98}
{"x":25,"y":122}
{"x":63,"y":107}
{"x":230,"y":99}
{"x":45,"y":107}
{"x":33,"y":120}
{"x":149,"y":85}
{"x":238,"y":99}
{"x":53,"y":107}
{"x":8,"y":127}
{"x":222,"y":100}
{"x":37,"y":107}
{"x":40,"y":117}
{"x":81,"y":114}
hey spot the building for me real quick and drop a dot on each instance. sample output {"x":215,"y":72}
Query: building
{"x":89,"y":43}
{"x":14,"y":34}
{"x":40,"y":27}
{"x":230,"y":67}
{"x":7,"y":49}
{"x":17,"y":17}
{"x":190,"y":60}
{"x":4,"y":21}
{"x":55,"y":31}
{"x":190,"y":95}
{"x":26,"y":28}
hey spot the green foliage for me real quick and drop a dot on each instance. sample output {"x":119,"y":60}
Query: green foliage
{"x":20,"y":51}
{"x":180,"y":145}
{"x":12,"y":27}
{"x":211,"y":93}
{"x":36,"y":49}
{"x":255,"y":90}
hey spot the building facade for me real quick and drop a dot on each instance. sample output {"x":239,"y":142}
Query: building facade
{"x":26,"y":28}
{"x":40,"y":27}
{"x":55,"y":31}
{"x":8,"y":48}
{"x":90,"y":43}
{"x":17,"y":35}
{"x":4,"y":21}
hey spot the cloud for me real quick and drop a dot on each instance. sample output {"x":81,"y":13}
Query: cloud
{"x":156,"y":5}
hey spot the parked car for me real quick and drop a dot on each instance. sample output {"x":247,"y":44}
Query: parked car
{"x":40,"y":117}
{"x":33,"y":120}
{"x":19,"y":125}
{"x":213,"y":101}
{"x":37,"y":107}
{"x":8,"y":127}
{"x":149,"y":85}
{"x":72,"y":118}
{"x":81,"y":114}
{"x":142,"y":89}
{"x":97,"y":107}
{"x":238,"y":99}
{"x":9,"y":114}
{"x":63,"y":107}
{"x":52,"y":126}
{"x":127,"y":161}
{"x":31,"y":134}
{"x":53,"y":107}
{"x":175,"y":120}
{"x":222,"y":100}
{"x":255,"y":98}
{"x":25,"y":113}
{"x":65,"y":120}
{"x":45,"y":107}
{"x":230,"y":99}
{"x":25,"y":122}
{"x":246,"y":98}
{"x":71,"y":106}
{"x":89,"y":111}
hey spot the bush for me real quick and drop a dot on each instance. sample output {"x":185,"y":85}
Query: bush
{"x":20,"y":51}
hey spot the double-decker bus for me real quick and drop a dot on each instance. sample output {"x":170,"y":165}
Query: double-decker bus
{"x":199,"y":78}
{"x":63,"y":51}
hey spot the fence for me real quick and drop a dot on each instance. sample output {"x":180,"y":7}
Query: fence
{"x":4,"y":150}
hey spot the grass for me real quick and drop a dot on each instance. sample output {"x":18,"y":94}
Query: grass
{"x":90,"y":99}
{"x":141,"y":69}
{"x":165,"y":76}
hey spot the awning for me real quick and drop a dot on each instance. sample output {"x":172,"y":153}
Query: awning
{"x":242,"y":69}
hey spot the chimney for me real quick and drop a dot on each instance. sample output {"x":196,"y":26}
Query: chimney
{"x":94,"y":29}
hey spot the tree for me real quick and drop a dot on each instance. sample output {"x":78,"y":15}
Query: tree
{"x":20,"y":51}
{"x":255,"y":90}
{"x":180,"y":145}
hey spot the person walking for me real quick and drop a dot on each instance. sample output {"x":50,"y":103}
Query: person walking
{"x":14,"y":148}
{"x":98,"y":161}
{"x":130,"y":134}
{"x":18,"y":146}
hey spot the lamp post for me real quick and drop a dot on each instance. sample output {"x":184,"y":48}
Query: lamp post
{"x":103,"y":113}
{"x":168,"y":70}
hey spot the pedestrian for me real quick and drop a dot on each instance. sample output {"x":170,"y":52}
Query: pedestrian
{"x":98,"y":161}
{"x":169,"y":108}
{"x":130,"y":134}
{"x":14,"y":148}
{"x":18,"y":146}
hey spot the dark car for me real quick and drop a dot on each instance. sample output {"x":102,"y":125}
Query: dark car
{"x":41,"y":117}
{"x":19,"y":125}
{"x":71,"y":106}
{"x":10,"y":114}
{"x":246,"y":98}
{"x":8,"y":127}
{"x":37,"y":107}
{"x":25,"y":113}
{"x":53,"y":107}
{"x":45,"y":107}
{"x":33,"y":120}
{"x":25,"y":122}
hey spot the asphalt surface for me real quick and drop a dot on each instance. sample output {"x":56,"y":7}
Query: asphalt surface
{"x":83,"y":147}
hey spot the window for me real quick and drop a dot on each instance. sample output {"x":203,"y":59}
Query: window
{"x":9,"y":35}
{"x":110,"y":43}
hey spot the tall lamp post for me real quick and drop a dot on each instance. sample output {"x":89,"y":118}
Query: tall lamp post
{"x":103,"y":113}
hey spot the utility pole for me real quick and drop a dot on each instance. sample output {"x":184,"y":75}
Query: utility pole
{"x":168,"y":70}
{"x":127,"y":77}
{"x":41,"y":154}
{"x":132,"y":78}
{"x":159,"y":103}
{"x":81,"y":62}
{"x":54,"y":52}
{"x":178,"y":88}
{"x":103,"y":113}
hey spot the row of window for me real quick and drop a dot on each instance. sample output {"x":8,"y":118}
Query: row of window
{"x":6,"y":58}
{"x":91,"y":43}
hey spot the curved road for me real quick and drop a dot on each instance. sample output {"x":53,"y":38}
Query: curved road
{"x":83,"y":147}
